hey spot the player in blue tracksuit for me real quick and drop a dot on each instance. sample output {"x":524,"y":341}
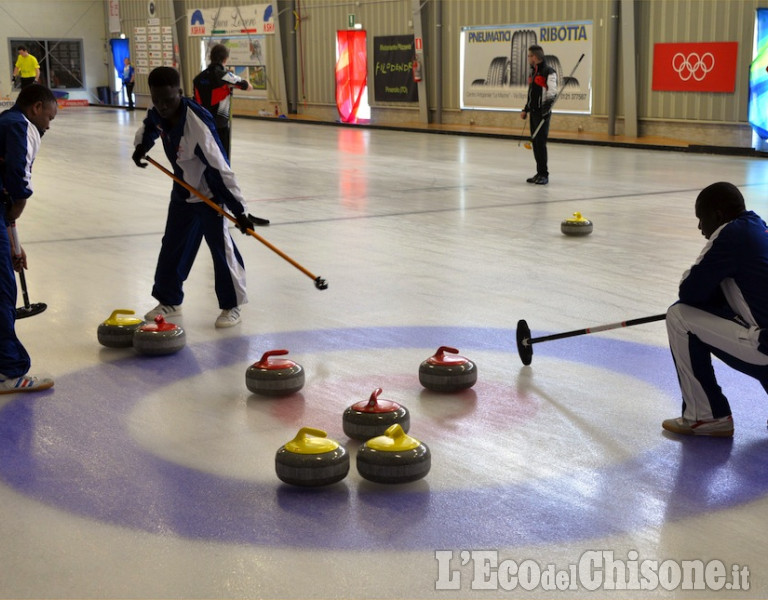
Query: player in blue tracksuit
{"x":722,"y":311}
{"x":21,"y":128}
{"x":189,"y":138}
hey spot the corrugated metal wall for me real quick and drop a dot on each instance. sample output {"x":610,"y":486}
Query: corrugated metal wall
{"x":135,"y":13}
{"x":321,"y":19}
{"x":660,"y":21}
{"x":316,"y":38}
{"x":464,"y":13}
{"x":656,"y":21}
{"x":191,"y":47}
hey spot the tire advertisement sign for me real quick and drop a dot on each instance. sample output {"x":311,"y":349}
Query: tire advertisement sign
{"x":393,"y":69}
{"x":494,"y":64}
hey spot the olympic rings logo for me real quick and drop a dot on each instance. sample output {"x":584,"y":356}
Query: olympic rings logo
{"x":693,"y":65}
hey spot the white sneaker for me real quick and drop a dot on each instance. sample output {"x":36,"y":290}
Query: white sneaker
{"x":722,"y":427}
{"x":229,"y":317}
{"x":167,"y":310}
{"x":25,"y":383}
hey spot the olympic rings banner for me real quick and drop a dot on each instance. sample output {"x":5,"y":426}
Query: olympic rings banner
{"x":695,"y":67}
{"x":494,"y":64}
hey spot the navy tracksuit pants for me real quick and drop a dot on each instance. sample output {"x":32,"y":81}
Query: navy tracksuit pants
{"x":694,"y":337}
{"x":188,"y":223}
{"x":539,"y":143}
{"x":14,"y":359}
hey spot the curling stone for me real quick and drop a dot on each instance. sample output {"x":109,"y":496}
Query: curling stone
{"x":394,"y":457}
{"x":311,"y":459}
{"x":117,"y":331}
{"x":280,"y":377}
{"x":368,"y":419}
{"x":447,"y":373}
{"x":159,"y":338}
{"x":576,"y":225}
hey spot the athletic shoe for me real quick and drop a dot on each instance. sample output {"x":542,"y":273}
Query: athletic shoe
{"x":25,"y":383}
{"x":532,"y":179}
{"x":167,"y":310}
{"x":722,"y":427}
{"x":229,"y":317}
{"x":541,"y":180}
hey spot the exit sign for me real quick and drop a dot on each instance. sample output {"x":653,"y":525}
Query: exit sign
{"x":351,"y":21}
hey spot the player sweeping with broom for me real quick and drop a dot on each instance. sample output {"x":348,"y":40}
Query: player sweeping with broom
{"x":191,"y":144}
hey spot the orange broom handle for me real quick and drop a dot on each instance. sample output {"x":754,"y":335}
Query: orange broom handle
{"x":320,"y":283}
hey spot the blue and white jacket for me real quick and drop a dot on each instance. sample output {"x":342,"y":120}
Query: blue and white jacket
{"x":19,"y":143}
{"x":731,"y":273}
{"x":196,"y":154}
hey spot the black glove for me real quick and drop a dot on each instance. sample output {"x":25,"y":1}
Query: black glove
{"x":244,"y":222}
{"x":138,"y":154}
{"x":546,"y":109}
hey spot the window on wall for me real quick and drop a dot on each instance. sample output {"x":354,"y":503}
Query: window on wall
{"x":61,"y":61}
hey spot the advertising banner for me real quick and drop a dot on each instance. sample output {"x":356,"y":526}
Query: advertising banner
{"x":695,"y":67}
{"x":114,"y":16}
{"x":247,"y":60}
{"x":351,"y":73}
{"x":227,"y":20}
{"x":393,"y":69}
{"x":495,"y":70}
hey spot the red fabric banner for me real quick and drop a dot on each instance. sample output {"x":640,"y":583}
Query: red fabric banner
{"x":695,"y":67}
{"x":351,"y":73}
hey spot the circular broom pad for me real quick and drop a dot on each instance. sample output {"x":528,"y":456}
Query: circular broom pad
{"x":525,"y":351}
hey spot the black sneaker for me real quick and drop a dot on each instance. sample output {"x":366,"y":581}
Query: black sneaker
{"x":532,"y":179}
{"x":541,"y":180}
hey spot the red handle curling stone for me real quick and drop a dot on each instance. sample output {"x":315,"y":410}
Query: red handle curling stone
{"x":446,"y":371}
{"x":274,"y":376}
{"x":371,"y":418}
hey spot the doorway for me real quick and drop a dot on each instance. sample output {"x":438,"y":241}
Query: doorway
{"x":120,"y":51}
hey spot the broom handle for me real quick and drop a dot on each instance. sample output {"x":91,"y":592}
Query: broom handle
{"x":629,"y":323}
{"x":224,"y":213}
{"x":17,"y":252}
{"x":560,"y":91}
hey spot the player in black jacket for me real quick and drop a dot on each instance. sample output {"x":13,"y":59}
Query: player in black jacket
{"x":542,"y":90}
{"x":213,"y":91}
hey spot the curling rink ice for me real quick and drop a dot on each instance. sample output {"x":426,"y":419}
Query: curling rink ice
{"x":142,"y":477}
